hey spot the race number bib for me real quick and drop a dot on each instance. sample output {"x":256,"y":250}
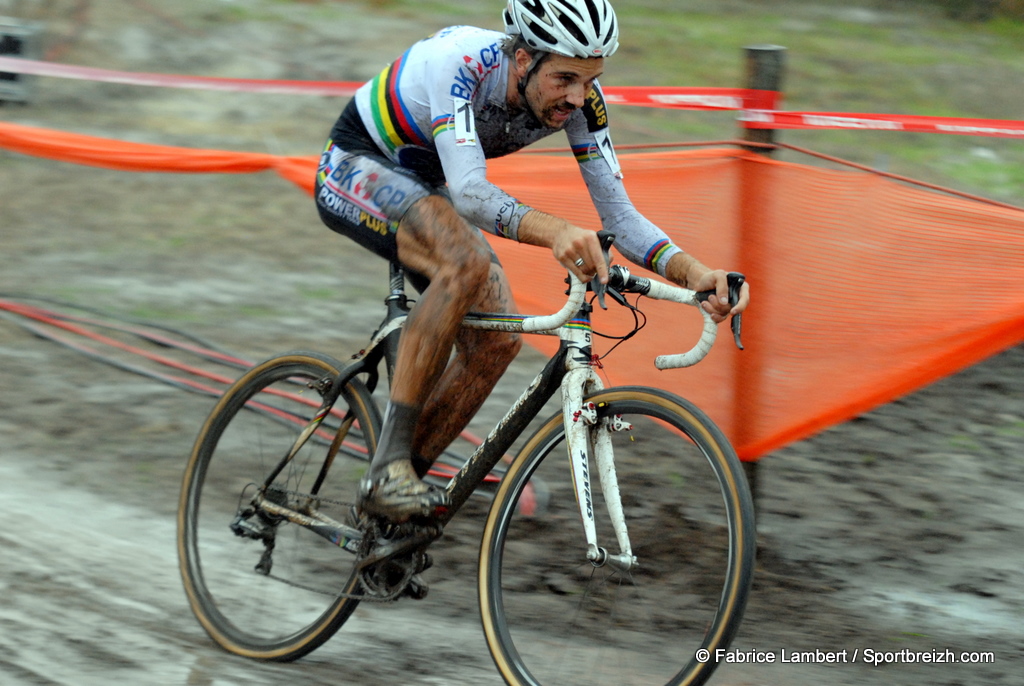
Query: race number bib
{"x":465,"y":123}
{"x":604,"y":143}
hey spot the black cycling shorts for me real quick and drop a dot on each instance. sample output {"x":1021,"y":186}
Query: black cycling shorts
{"x":364,"y":196}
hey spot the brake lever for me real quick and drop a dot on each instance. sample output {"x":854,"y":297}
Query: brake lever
{"x":617,"y":296}
{"x":606,"y":239}
{"x":599,"y":290}
{"x":735,"y":280}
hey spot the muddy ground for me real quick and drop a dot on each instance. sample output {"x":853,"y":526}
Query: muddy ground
{"x":902,"y":530}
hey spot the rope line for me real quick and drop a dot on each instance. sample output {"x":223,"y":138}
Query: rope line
{"x":40,"y":322}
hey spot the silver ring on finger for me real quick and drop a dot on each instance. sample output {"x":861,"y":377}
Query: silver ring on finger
{"x":579,"y":262}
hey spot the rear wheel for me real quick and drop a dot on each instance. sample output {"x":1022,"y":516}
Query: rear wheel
{"x":553,"y":618}
{"x":261,"y":585}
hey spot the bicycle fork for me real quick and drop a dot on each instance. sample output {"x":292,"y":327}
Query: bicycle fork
{"x":586,"y":433}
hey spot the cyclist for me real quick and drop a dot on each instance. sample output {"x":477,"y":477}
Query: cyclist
{"x":403,"y":174}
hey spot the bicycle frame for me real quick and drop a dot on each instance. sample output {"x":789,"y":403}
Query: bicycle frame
{"x":571,"y":361}
{"x":570,"y":371}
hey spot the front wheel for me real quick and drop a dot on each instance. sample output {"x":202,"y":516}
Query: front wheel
{"x":261,"y":584}
{"x":552,"y":617}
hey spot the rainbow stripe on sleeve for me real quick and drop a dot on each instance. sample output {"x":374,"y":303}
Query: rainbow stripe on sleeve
{"x":656,"y":253}
{"x":445,"y":122}
{"x":585,"y":152}
{"x":392,"y":118}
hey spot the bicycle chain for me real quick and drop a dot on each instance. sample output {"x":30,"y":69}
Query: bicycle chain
{"x":310,"y":496}
{"x":345,"y":596}
{"x":364,"y":548}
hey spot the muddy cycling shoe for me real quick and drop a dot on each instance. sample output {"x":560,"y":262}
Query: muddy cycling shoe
{"x":397,"y":494}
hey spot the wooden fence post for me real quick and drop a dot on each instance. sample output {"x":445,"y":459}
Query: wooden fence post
{"x":18,"y":39}
{"x":765,"y":65}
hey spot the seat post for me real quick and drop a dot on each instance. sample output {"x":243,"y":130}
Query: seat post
{"x":396,"y":283}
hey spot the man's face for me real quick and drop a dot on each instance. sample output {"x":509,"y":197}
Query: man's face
{"x":560,"y":86}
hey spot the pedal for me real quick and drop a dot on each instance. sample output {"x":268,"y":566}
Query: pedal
{"x":416,"y":589}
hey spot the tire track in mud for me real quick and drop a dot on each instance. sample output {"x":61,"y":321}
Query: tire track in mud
{"x":91,"y":596}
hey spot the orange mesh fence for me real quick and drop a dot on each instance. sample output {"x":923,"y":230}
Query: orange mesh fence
{"x":863,"y":288}
{"x":867,"y":289}
{"x":143,"y":157}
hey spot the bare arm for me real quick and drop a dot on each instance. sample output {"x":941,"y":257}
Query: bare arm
{"x":567,"y":241}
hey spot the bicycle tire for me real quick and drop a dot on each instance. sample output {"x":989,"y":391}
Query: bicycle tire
{"x":306,"y":596}
{"x":551,"y":617}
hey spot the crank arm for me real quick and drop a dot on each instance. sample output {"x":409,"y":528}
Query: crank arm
{"x":390,"y":549}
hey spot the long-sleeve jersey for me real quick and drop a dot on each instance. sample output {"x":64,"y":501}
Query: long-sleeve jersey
{"x":441,"y":111}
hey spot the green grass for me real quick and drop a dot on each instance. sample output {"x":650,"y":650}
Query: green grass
{"x":150,"y":313}
{"x":329,"y":294}
{"x":257,"y":311}
{"x":1013,"y":430}
{"x":965,"y":442}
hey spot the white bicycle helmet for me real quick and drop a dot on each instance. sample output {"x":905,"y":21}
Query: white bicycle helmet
{"x":574,"y":28}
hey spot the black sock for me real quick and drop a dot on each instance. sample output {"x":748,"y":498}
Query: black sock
{"x":396,"y":435}
{"x":421,"y":465}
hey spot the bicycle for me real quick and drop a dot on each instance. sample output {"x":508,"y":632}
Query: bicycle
{"x":274,"y":557}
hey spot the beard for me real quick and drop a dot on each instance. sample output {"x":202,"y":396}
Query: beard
{"x":551,"y":115}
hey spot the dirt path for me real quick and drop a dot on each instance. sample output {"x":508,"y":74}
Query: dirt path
{"x":901,"y":530}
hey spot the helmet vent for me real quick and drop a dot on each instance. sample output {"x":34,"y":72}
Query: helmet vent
{"x":612,"y":31}
{"x":572,"y":27}
{"x":595,"y":19}
{"x":541,"y":33}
